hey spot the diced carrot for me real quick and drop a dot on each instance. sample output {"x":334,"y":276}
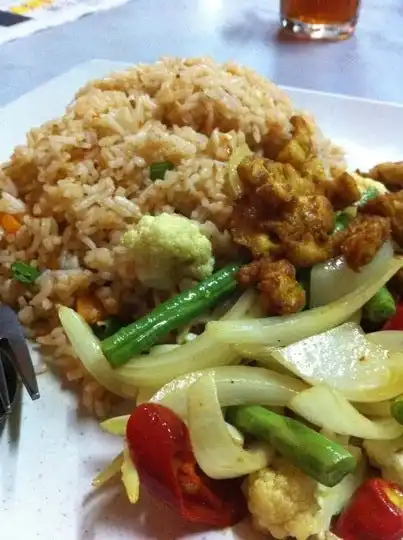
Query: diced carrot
{"x":90,"y":309}
{"x":10,"y":223}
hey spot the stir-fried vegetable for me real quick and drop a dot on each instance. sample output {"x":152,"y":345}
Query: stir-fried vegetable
{"x":334,"y":278}
{"x":238,"y":154}
{"x":116,"y":425}
{"x":343,"y":218}
{"x":388,"y":339}
{"x":24,"y":273}
{"x":235,"y":385}
{"x":215,"y":450}
{"x":329,"y":409}
{"x":158,"y":169}
{"x":88,"y":349}
{"x":10,"y":223}
{"x":374,"y":513}
{"x":130,"y":477}
{"x":145,"y":332}
{"x":396,"y":409}
{"x":167,"y":468}
{"x":381,"y":307}
{"x":277,"y":331}
{"x":317,"y":456}
{"x":109,"y":472}
{"x":370,"y":193}
{"x":344,"y":359}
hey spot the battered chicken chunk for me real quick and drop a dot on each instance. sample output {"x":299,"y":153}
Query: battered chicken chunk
{"x":389,"y":206}
{"x":280,"y":292}
{"x":281,"y":213}
{"x":360,"y":242}
{"x":390,"y":174}
{"x":342,"y":191}
{"x":303,"y":228}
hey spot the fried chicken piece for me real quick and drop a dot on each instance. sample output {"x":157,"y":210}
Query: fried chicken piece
{"x":245,"y":228}
{"x":280,"y":292}
{"x":282,"y":213}
{"x":390,"y":174}
{"x":301,"y":146}
{"x":256,"y":172}
{"x":360,"y":242}
{"x":390,"y":206}
{"x":343,"y":191}
{"x":303,"y":229}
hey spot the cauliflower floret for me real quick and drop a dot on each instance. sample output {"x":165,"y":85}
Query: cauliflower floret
{"x":388,"y":457}
{"x":287,"y":503}
{"x":168,"y":248}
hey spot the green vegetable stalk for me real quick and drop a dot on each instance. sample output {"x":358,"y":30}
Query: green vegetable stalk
{"x":396,"y":409}
{"x":317,"y":456}
{"x":172,"y":314}
{"x":157,"y":170}
{"x":343,"y":218}
{"x":24,"y":273}
{"x":371,"y":193}
{"x":381,"y":307}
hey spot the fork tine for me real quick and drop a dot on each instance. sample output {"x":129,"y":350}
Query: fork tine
{"x":14,"y":344}
{"x":4,"y":395}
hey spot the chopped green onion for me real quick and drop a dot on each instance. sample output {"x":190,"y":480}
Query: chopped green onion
{"x":396,"y":409}
{"x":24,"y":273}
{"x":157,"y":170}
{"x":371,"y":193}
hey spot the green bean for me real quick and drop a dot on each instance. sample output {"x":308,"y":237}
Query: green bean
{"x":172,"y":314}
{"x":381,"y":307}
{"x":322,"y":459}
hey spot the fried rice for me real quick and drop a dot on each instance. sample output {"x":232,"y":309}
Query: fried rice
{"x":82,"y":179}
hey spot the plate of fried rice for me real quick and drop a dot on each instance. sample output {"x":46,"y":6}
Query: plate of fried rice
{"x":208,"y":270}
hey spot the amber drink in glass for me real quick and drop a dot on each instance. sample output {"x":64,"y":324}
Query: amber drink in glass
{"x":320,"y":19}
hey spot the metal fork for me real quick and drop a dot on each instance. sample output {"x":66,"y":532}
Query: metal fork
{"x":15,"y":361}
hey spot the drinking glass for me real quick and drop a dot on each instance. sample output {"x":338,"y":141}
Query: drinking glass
{"x":320,"y":19}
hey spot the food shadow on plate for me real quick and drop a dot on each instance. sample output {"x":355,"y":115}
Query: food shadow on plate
{"x":11,"y":425}
{"x":107,"y":512}
{"x":254,"y":26}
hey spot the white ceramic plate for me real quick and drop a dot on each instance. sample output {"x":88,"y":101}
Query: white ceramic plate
{"x":49,"y":455}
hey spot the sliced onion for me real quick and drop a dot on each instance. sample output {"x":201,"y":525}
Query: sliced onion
{"x":145,"y":394}
{"x":216,"y":452}
{"x":389,"y":339}
{"x":238,"y":154}
{"x":88,"y":349}
{"x":278,"y":331}
{"x":242,"y":306}
{"x":345,"y":360}
{"x":130,"y":477}
{"x":329,"y":409}
{"x":116,"y":425}
{"x":333,"y":279}
{"x":235,"y":385}
{"x":201,"y":353}
{"x":164,"y":363}
{"x":380,"y":409}
{"x":111,"y":470}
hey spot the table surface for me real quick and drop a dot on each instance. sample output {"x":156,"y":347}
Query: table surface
{"x":368,"y":65}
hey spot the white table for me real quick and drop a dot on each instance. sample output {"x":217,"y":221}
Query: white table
{"x":368,"y":65}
